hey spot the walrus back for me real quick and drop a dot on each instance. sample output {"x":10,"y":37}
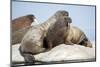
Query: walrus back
{"x":75,"y":34}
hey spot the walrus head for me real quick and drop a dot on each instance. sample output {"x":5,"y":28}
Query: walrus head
{"x":31,"y":17}
{"x":68,"y":20}
{"x":65,"y":15}
{"x":35,"y":22}
{"x":62,"y":13}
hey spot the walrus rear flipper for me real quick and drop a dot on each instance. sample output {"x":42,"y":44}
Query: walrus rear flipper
{"x":85,"y":42}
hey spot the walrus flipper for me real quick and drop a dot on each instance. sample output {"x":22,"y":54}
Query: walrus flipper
{"x":28,"y":57}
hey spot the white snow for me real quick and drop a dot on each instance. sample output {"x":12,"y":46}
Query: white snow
{"x":16,"y":57}
{"x":66,"y":52}
{"x":59,"y":53}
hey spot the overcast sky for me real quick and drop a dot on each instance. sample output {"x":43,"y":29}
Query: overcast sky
{"x":82,"y":16}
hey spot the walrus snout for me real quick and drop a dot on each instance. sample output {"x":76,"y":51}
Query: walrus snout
{"x":31,"y":17}
{"x":68,"y":20}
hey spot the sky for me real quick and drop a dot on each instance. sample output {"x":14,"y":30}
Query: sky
{"x":82,"y":16}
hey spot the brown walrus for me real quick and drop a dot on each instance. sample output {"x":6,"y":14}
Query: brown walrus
{"x":17,"y":36}
{"x":32,"y":42}
{"x":57,"y":32}
{"x":22,"y":22}
{"x":77,"y":36}
{"x":19,"y":27}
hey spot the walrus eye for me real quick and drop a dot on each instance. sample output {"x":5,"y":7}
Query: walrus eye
{"x":66,"y":14}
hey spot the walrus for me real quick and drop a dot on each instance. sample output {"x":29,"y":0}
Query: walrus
{"x":20,"y":26}
{"x":32,"y":42}
{"x":57,"y":33}
{"x":17,"y":36}
{"x":22,"y":22}
{"x":76,"y":36}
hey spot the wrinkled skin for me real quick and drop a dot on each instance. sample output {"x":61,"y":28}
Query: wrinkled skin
{"x":77,"y":36}
{"x":56,"y":34}
{"x":19,"y":27}
{"x":32,"y":42}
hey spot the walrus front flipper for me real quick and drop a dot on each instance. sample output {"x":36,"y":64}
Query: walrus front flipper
{"x":28,"y":57}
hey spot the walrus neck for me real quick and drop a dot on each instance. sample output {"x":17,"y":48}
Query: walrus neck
{"x":48,"y":23}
